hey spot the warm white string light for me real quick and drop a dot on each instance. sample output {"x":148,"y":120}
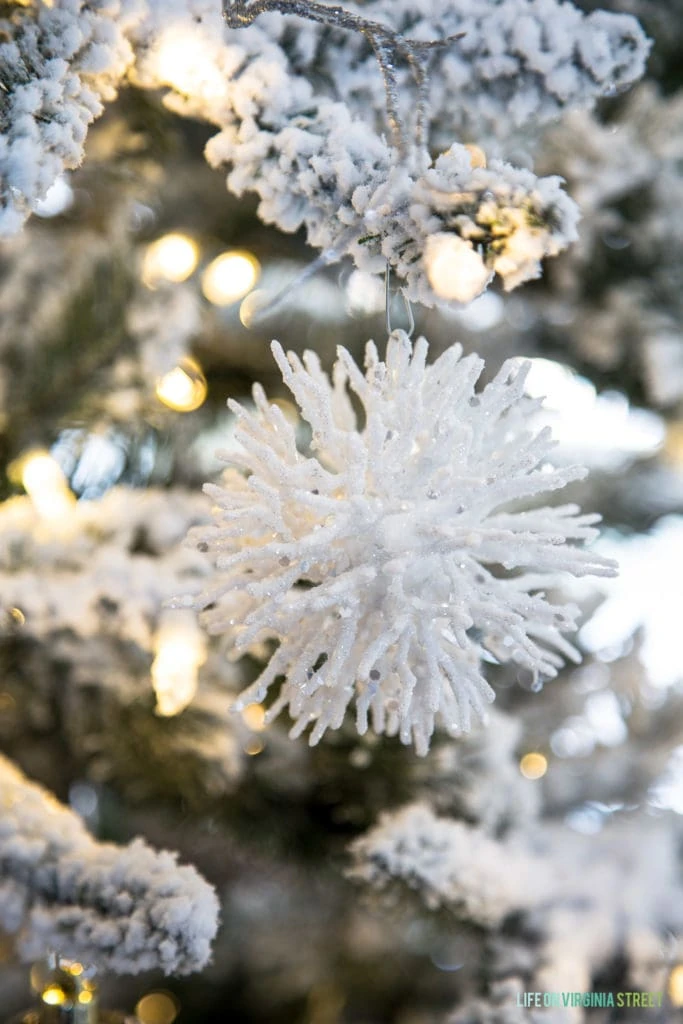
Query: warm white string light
{"x":180,"y":652}
{"x":45,"y":483}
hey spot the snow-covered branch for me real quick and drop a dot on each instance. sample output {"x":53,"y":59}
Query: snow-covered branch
{"x":585,"y":897}
{"x":127,"y":909}
{"x":86,"y":599}
{"x":450,"y":864}
{"x":67,"y":576}
{"x":445,"y":231}
{"x":514,"y":66}
{"x":58,"y":64}
{"x":319,"y":159}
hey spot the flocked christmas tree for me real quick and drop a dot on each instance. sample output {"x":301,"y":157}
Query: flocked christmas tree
{"x":414,"y":741}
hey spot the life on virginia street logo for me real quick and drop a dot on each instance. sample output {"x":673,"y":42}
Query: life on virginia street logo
{"x":642,"y":1000}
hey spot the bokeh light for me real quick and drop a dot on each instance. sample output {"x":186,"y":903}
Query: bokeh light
{"x":183,"y":388}
{"x":454,"y":268}
{"x":230,"y":277}
{"x":54,"y":995}
{"x":181,"y":61}
{"x":254,"y":716}
{"x":45,"y":483}
{"x":477,"y":155}
{"x":180,"y":652}
{"x":157,"y":1008}
{"x":533,"y":766}
{"x":253,"y":306}
{"x":675,"y":986}
{"x":172,"y":257}
{"x":253,"y":746}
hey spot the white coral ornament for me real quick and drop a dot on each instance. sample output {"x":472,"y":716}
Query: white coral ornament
{"x":388,"y":559}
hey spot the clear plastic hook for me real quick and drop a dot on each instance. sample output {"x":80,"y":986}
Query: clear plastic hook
{"x":388,"y":303}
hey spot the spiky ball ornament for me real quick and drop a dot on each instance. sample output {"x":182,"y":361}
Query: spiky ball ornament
{"x":389,"y":556}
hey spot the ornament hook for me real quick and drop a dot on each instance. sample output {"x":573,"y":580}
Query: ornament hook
{"x":388,"y":298}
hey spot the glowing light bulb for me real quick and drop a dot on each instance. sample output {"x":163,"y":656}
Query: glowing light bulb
{"x":533,"y":766}
{"x":673,"y":444}
{"x":477,"y":155}
{"x":183,"y":388}
{"x":172,"y":257}
{"x":46,"y":485}
{"x":54,"y":995}
{"x":675,"y":986}
{"x":7,"y":703}
{"x":177,"y":59}
{"x":229,"y":277}
{"x":253,"y":746}
{"x":454,"y":270}
{"x":180,"y":652}
{"x":254,"y":716}
{"x":183,"y":60}
{"x":157,"y":1008}
{"x":523,"y":247}
{"x":253,"y":306}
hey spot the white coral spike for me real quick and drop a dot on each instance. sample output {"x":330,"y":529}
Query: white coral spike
{"x":388,"y":560}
